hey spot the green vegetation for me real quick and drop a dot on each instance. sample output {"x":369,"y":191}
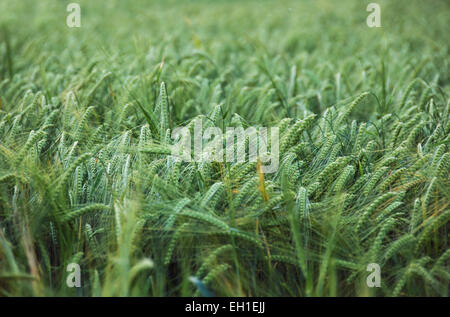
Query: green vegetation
{"x":85,"y":175}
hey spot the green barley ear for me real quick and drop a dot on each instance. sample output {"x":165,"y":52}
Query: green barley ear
{"x":303,"y":213}
{"x":69,"y":215}
{"x":344,"y":178}
{"x":240,"y":171}
{"x":32,"y":139}
{"x":15,"y":128}
{"x":176,"y":236}
{"x":377,"y":244}
{"x":426,"y":95}
{"x":215,"y":116}
{"x":374,"y":180}
{"x":283,"y":124}
{"x":145,"y":136}
{"x":175,"y":175}
{"x":295,"y":132}
{"x":245,"y":236}
{"x":250,"y":186}
{"x":50,"y":120}
{"x":90,"y":94}
{"x":434,"y":135}
{"x":329,"y":172}
{"x":207,"y":218}
{"x":387,"y":212}
{"x":439,"y":151}
{"x":352,"y":106}
{"x":302,"y":203}
{"x":406,"y":94}
{"x":408,"y":126}
{"x":273,"y":202}
{"x":164,"y":188}
{"x":76,"y":258}
{"x":443,"y":259}
{"x":125,"y":112}
{"x":96,"y":286}
{"x":394,"y":135}
{"x":428,"y":195}
{"x":420,"y":163}
{"x":174,"y":213}
{"x":419,"y":270}
{"x":431,"y":225}
{"x":330,"y":140}
{"x":68,"y":173}
{"x":6,"y":177}
{"x":211,"y":258}
{"x":411,"y":140}
{"x":447,"y":128}
{"x":416,"y":215}
{"x":369,"y":210}
{"x":237,"y":120}
{"x":370,"y":150}
{"x":442,"y":168}
{"x":163,"y":105}
{"x":359,"y":137}
{"x":78,"y":133}
{"x":391,"y":179}
{"x":213,"y":194}
{"x":93,"y":245}
{"x":334,"y":152}
{"x":94,"y":139}
{"x":401,"y":282}
{"x":38,"y":149}
{"x":399,"y":245}
{"x":215,"y":273}
{"x":283,"y":259}
{"x":312,"y":188}
{"x":78,"y":182}
{"x":206,"y":171}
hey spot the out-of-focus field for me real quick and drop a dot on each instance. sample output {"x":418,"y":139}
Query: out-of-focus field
{"x":86,"y":174}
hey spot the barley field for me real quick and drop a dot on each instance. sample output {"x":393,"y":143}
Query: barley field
{"x":87,"y":176}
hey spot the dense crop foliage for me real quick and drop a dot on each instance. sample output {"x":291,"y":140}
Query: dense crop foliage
{"x":86,"y":176}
